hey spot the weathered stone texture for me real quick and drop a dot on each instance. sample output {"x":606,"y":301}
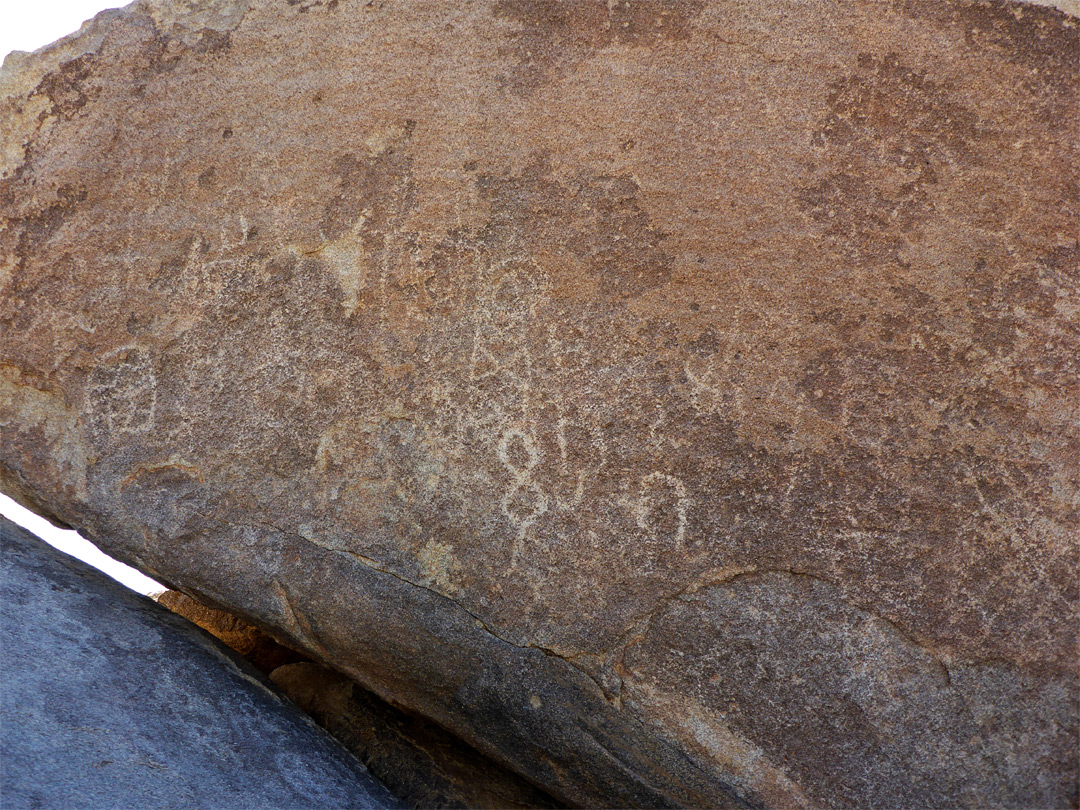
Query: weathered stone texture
{"x":677,"y":400}
{"x":422,"y":764}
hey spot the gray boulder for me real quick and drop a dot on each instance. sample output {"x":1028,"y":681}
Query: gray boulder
{"x":110,"y":700}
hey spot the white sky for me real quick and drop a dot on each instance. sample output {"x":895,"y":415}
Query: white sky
{"x":74,"y":544}
{"x":26,"y":25}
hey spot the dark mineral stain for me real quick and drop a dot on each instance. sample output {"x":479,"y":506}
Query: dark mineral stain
{"x":304,"y":6}
{"x":1034,"y":36}
{"x":378,"y":188}
{"x":160,"y":54}
{"x":706,"y":344}
{"x":66,"y":87}
{"x":210,"y":41}
{"x":555,"y":35}
{"x":596,"y":219}
{"x":644,"y":22}
{"x":139,"y":323}
{"x":865,"y":222}
{"x":37,"y":228}
{"x":886,"y":107}
{"x":888,"y":133}
{"x":1064,"y":262}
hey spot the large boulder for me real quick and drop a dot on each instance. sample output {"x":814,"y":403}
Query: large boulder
{"x":675,"y":399}
{"x":110,"y":700}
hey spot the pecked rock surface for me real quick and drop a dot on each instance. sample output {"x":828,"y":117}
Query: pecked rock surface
{"x":675,"y":400}
{"x":110,"y":701}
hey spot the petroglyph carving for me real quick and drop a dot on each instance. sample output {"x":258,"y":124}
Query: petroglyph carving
{"x":524,"y":502}
{"x":502,"y":316}
{"x":123,"y":392}
{"x":575,"y":440}
{"x":703,"y":379}
{"x":662,"y":506}
{"x":688,"y":312}
{"x":659,"y":510}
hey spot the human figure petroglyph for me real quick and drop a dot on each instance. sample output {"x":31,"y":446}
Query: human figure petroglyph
{"x":513,"y":290}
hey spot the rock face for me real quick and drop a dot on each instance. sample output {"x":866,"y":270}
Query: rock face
{"x":111,"y":701}
{"x":676,"y":400}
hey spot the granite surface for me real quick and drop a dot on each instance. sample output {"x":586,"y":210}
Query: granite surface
{"x":675,"y":400}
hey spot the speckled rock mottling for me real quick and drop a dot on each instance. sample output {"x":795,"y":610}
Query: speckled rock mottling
{"x":676,"y":400}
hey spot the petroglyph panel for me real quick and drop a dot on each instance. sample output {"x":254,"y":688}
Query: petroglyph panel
{"x":675,"y":368}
